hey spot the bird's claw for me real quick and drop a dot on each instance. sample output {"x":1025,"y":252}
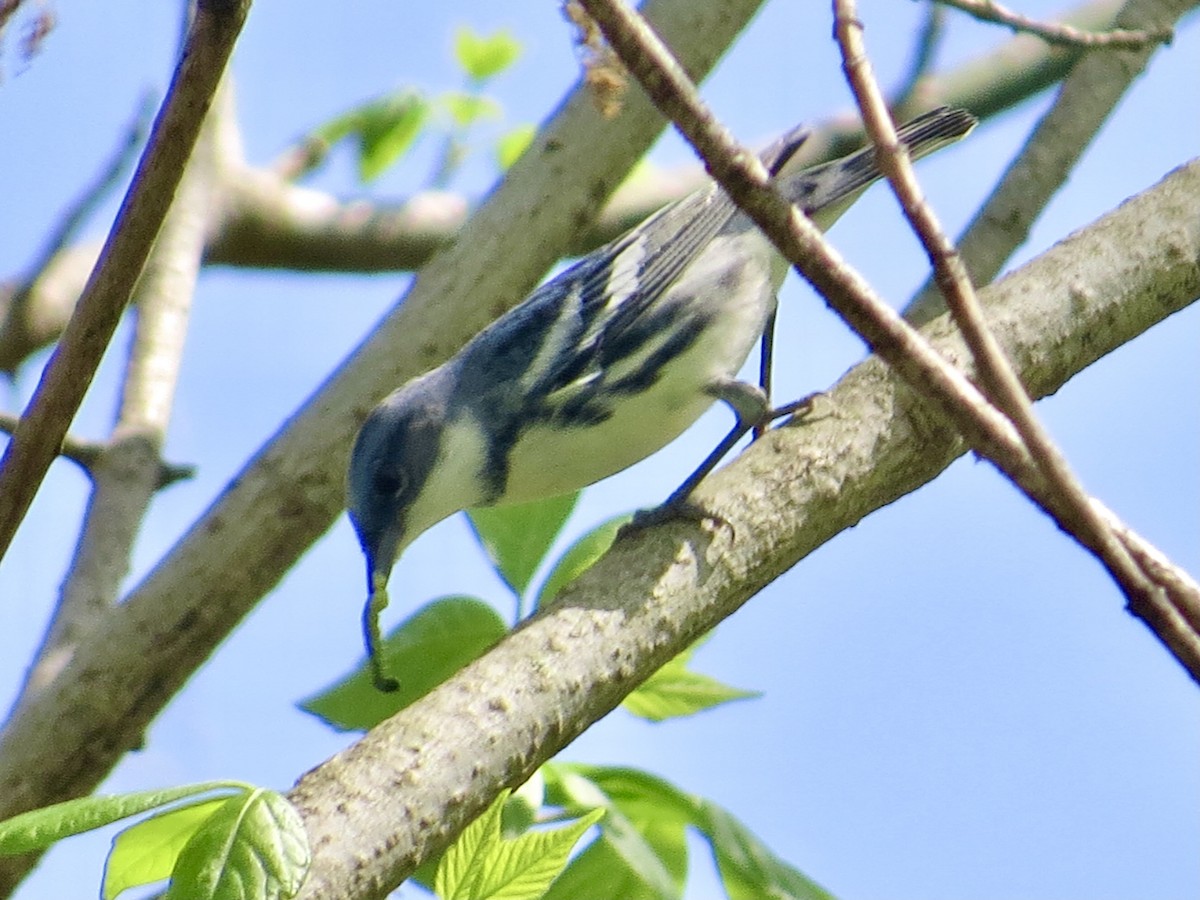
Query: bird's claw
{"x":682,"y":509}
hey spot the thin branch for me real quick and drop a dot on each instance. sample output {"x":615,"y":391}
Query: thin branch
{"x":35,"y":308}
{"x":743,"y":177}
{"x":69,"y":372}
{"x":86,"y":454}
{"x":996,"y":375}
{"x":81,"y":451}
{"x":1088,"y":96}
{"x":1058,"y":32}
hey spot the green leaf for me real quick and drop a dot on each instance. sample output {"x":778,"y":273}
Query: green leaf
{"x":579,"y":557}
{"x":513,"y":143}
{"x":386,"y":129}
{"x":39,"y":828}
{"x":657,"y":808}
{"x":253,"y":848}
{"x":422,"y":652}
{"x":600,"y":871}
{"x":638,"y":849}
{"x":516,"y":538}
{"x":674,"y":691}
{"x":645,"y":826}
{"x":485,"y":56}
{"x":481,"y":865}
{"x":466,"y":109}
{"x":146,"y":852}
{"x":644,"y":798}
{"x":748,"y":868}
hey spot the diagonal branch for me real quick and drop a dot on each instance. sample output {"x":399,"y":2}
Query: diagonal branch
{"x":128,"y":471}
{"x":69,"y":372}
{"x":987,"y":430}
{"x":995,"y":374}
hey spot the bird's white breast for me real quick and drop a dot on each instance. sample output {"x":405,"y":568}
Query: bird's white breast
{"x":737,"y":288}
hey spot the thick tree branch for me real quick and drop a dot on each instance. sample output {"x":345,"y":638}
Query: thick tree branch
{"x":65,"y":380}
{"x":290,"y":493}
{"x":401,"y":793}
{"x":1087,"y":97}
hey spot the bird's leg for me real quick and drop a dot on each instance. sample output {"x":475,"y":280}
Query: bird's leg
{"x":749,"y":404}
{"x":766,"y":351}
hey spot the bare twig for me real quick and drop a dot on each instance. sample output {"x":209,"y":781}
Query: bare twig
{"x":1088,"y":95}
{"x":36,"y":31}
{"x":1059,"y":32}
{"x":1073,"y":508}
{"x":81,"y":451}
{"x":35,"y":308}
{"x":69,"y":372}
{"x":7,"y":9}
{"x":86,"y":454}
{"x":739,"y":172}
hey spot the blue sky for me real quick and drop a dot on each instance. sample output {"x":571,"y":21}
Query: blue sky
{"x":956,"y":705}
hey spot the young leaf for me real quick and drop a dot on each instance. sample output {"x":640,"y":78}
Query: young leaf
{"x":422,"y":652}
{"x":655,"y":806}
{"x":482,"y":57}
{"x":600,"y":871}
{"x":481,"y":865}
{"x":386,"y":129}
{"x":39,"y":828}
{"x":146,"y":852}
{"x":462,"y":865}
{"x":253,"y":848}
{"x":645,"y":833}
{"x":579,"y":557}
{"x":517,"y":538}
{"x":466,"y":109}
{"x":675,"y":691}
{"x":646,"y":799}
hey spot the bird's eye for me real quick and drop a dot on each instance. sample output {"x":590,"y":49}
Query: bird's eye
{"x":390,"y":484}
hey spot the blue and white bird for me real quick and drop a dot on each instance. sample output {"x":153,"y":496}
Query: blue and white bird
{"x":598,"y":368}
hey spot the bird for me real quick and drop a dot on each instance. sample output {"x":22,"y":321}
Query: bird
{"x":600,"y":367}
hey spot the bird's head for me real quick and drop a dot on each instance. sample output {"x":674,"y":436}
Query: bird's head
{"x":403,"y":477}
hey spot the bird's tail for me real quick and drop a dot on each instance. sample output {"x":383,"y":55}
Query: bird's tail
{"x":825,"y":191}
